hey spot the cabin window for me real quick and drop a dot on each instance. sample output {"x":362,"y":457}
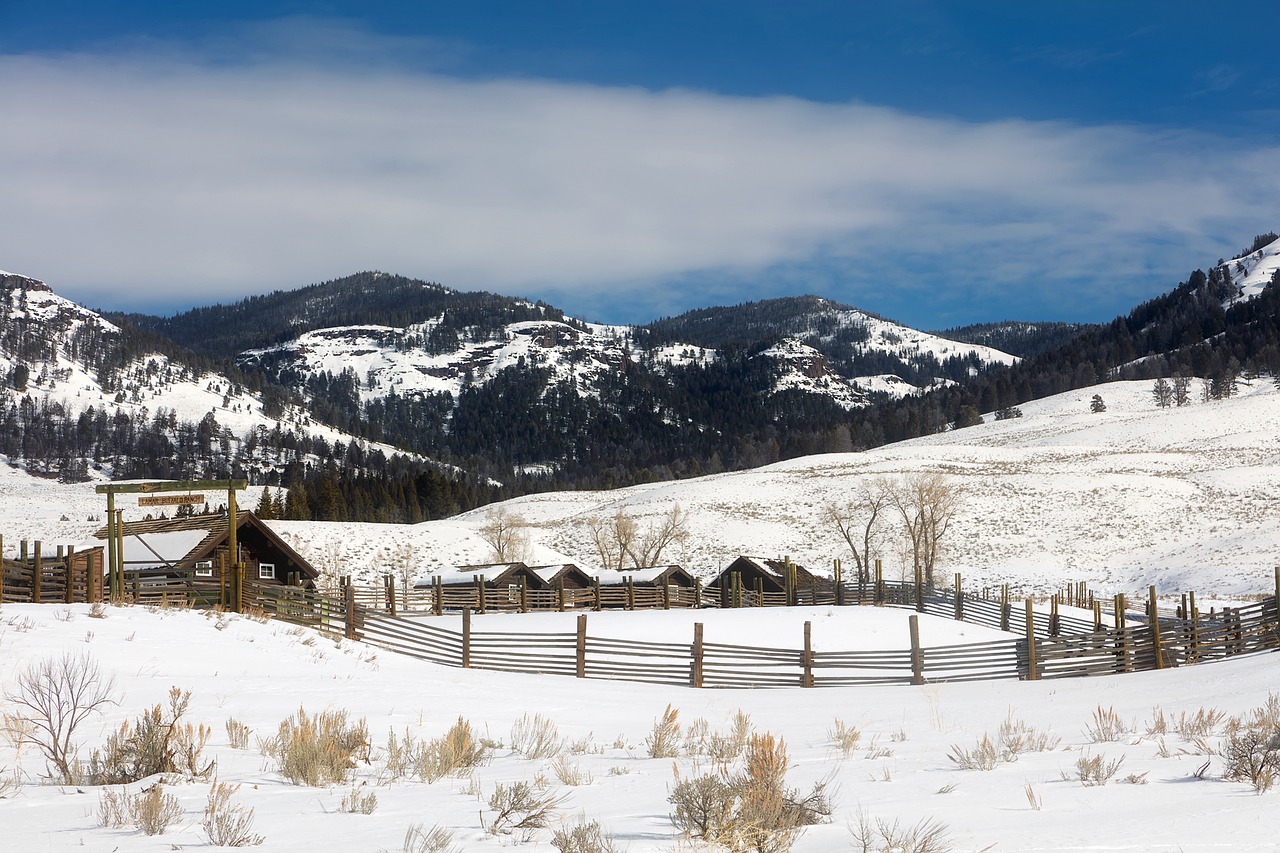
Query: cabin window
{"x":266,"y":571}
{"x":204,"y":569}
{"x":513,"y":592}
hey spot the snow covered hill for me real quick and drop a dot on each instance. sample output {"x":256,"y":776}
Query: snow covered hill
{"x":1253,"y":271}
{"x":1188,"y":499}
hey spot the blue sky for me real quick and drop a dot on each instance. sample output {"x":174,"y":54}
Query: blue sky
{"x":937,"y":163}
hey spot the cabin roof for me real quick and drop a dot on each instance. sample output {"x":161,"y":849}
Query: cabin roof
{"x":166,"y":542}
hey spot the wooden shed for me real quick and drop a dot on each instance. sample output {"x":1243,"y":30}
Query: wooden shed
{"x":196,"y":546}
{"x":650,"y":587}
{"x":762,"y":580}
{"x":568,"y":574}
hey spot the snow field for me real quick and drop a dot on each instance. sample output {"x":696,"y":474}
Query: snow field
{"x":260,"y":673}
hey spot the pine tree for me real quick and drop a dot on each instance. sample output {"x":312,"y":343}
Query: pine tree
{"x":265,"y":507}
{"x":1163,"y":393}
{"x":1096,"y":405}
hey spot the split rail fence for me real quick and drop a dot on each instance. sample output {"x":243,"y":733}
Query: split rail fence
{"x":1051,"y":645}
{"x":435,"y":624}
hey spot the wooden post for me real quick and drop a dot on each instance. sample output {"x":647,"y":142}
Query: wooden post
{"x":759,"y":592}
{"x":37,"y":575}
{"x":1,"y":568}
{"x":1277,"y":599}
{"x":1055,"y":625}
{"x":917,"y":654}
{"x":466,"y":637}
{"x":695,"y":675}
{"x":959,"y":598}
{"x":1004,"y":607}
{"x":92,"y":591}
{"x":806,"y":680}
{"x":697,"y":593}
{"x":595,"y":583}
{"x":1154,"y":619}
{"x":879,"y":582}
{"x":70,"y":559}
{"x":631,"y":592}
{"x":582,"y":645}
{"x":349,"y":596}
{"x":1193,"y":643}
{"x":482,"y":603}
{"x":390,"y":585}
{"x":666,"y":594}
{"x":787,"y":583}
{"x":1122,"y":632}
{"x":1032,"y":673}
{"x":560,"y":596}
{"x":838,"y":576}
{"x":1097,"y":615}
{"x":919,"y":589}
{"x":524,"y":595}
{"x":111,"y":546}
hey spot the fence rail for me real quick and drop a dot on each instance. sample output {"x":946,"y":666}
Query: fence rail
{"x":1036,"y":654}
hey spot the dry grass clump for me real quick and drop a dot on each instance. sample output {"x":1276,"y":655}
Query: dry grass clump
{"x":1094,"y":770}
{"x":1107,"y":726}
{"x":1202,"y":723}
{"x":153,"y":811}
{"x":156,"y":742}
{"x":749,"y":809}
{"x":664,"y":740}
{"x":238,"y":734}
{"x":521,"y":809}
{"x":721,"y":748}
{"x":354,"y":802}
{"x":1251,"y":746}
{"x":419,"y":839}
{"x":456,"y":752}
{"x":570,"y":772}
{"x":226,"y":823}
{"x":318,"y":750}
{"x":535,"y":737}
{"x":1013,"y":738}
{"x":845,"y":738}
{"x":583,"y":837}
{"x":925,"y":836}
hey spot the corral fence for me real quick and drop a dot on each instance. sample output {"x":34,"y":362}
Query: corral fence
{"x":1042,"y":645}
{"x":435,"y":624}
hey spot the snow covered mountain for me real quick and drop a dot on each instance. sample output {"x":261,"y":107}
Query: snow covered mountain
{"x":82,"y":397}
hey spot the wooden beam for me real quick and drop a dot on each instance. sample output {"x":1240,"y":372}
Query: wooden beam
{"x":171,"y":486}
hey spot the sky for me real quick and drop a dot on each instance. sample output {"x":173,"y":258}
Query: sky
{"x":937,"y":163}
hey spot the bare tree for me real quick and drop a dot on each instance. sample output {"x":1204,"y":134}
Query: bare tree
{"x":619,"y":538}
{"x":404,"y":561}
{"x":670,"y":529}
{"x":926,"y":502}
{"x":53,"y":697}
{"x":857,"y":519}
{"x":507,"y":535}
{"x":613,"y":537}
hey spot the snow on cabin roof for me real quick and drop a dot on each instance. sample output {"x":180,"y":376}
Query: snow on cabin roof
{"x":156,"y":550}
{"x":645,"y":575}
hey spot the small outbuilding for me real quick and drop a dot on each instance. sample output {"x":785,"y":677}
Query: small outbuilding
{"x":199,"y":545}
{"x":756,"y":577}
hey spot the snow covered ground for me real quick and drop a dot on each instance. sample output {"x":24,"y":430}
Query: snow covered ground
{"x":259,"y":674}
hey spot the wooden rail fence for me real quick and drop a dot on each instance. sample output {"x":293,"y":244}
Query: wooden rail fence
{"x":1031,"y":654}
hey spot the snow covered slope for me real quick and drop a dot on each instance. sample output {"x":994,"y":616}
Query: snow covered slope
{"x":1182,"y":498}
{"x":1254,"y":271}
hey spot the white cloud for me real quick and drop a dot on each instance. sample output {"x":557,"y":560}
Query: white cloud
{"x":137,"y":174}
